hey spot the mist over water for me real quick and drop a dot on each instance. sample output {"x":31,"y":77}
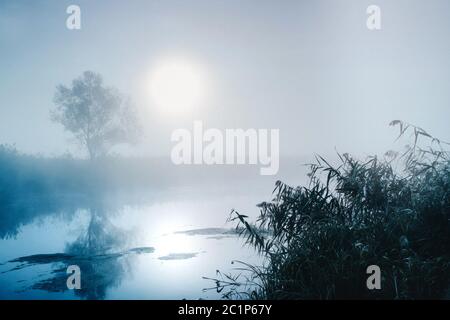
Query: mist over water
{"x":134,"y":236}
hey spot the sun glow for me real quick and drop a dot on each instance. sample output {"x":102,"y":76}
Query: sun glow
{"x":177,"y":86}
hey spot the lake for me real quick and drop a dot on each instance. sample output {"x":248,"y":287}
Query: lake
{"x":146,"y":246}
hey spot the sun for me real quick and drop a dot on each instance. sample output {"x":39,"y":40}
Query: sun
{"x":177,"y":86}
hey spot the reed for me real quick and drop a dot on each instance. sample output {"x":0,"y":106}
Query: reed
{"x":317,"y":240}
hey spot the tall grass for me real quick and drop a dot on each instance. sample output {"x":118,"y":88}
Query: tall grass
{"x":318,"y":240}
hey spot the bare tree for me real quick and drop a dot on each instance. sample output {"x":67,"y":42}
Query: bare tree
{"x":99,"y":117}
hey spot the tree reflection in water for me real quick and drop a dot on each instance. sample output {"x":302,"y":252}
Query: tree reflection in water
{"x":100,"y":252}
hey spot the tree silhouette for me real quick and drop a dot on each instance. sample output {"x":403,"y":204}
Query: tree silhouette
{"x":99,"y":117}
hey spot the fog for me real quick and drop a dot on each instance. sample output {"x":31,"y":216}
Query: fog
{"x":310,"y":69}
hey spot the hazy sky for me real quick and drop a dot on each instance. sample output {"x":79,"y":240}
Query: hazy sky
{"x":310,"y":68}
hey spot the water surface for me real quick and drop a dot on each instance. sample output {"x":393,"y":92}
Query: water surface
{"x":161,"y":247}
